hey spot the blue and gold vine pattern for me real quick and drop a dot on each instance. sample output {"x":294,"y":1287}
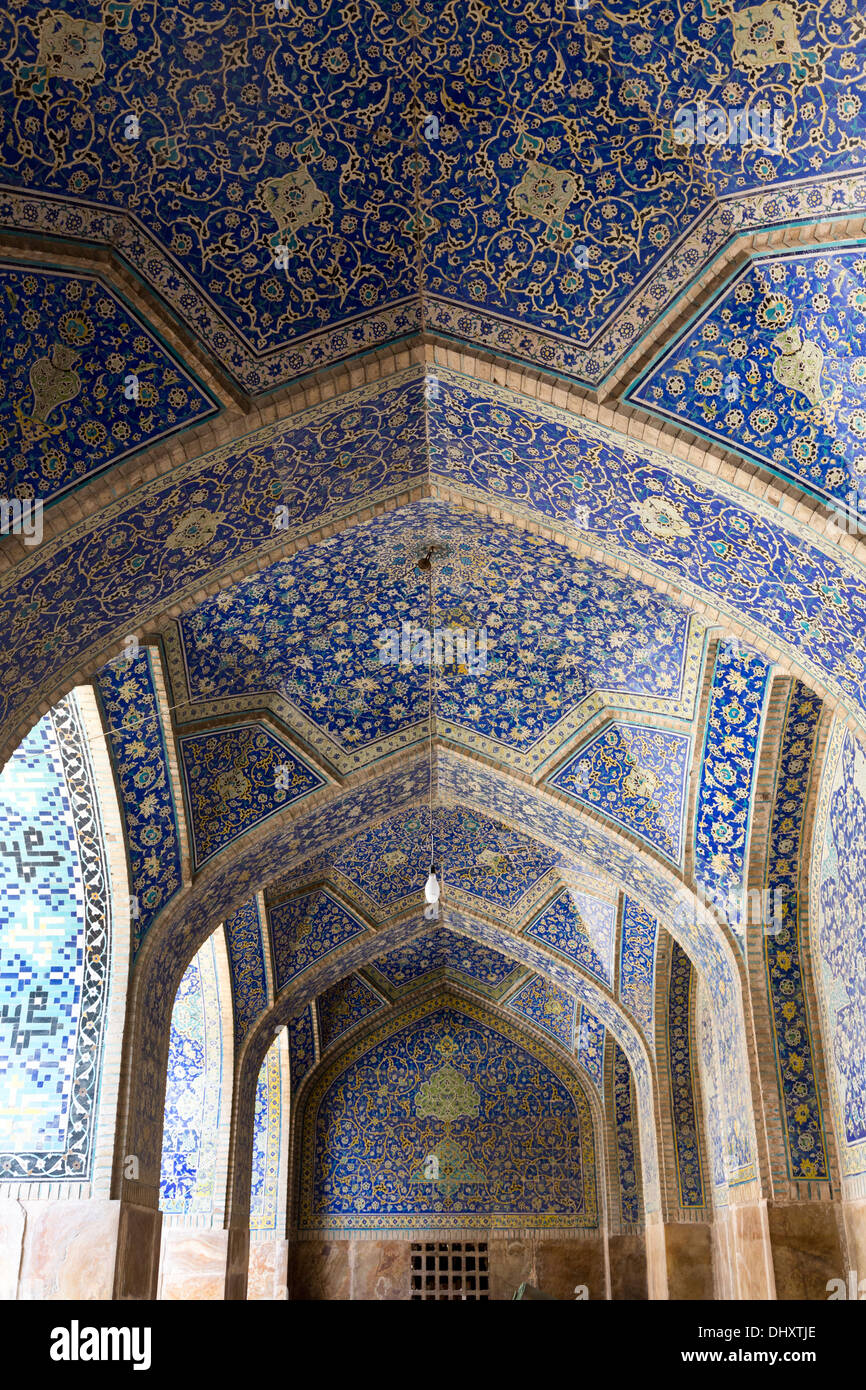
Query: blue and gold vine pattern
{"x":305,"y":929}
{"x":590,"y":1046}
{"x":548,"y":1007}
{"x":687,"y":1140}
{"x":795,"y":1066}
{"x":560,"y":631}
{"x":840,"y":869}
{"x":776,"y":368}
{"x":68,"y":345}
{"x":636,"y":776}
{"x":561,"y":926}
{"x":246,"y":949}
{"x":728,"y":769}
{"x":637,"y":964}
{"x":136,"y":740}
{"x":267,"y":1129}
{"x":510,"y":1125}
{"x":441,"y":950}
{"x":549,"y":135}
{"x":302,"y":1049}
{"x":344,"y":1005}
{"x":626,"y":1139}
{"x":234,"y":779}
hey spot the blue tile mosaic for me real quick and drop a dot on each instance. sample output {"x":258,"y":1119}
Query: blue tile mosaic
{"x":55,"y":938}
{"x":548,"y":1007}
{"x":775,"y":368}
{"x":637,"y":777}
{"x":509,"y":1126}
{"x":344,"y":1005}
{"x":137,"y":743}
{"x":637,"y":964}
{"x":729,"y":766}
{"x":687,"y":1143}
{"x":72,"y":353}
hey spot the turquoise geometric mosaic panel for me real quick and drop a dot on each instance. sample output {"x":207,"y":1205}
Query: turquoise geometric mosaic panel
{"x":683,"y":1072}
{"x":775,"y":368}
{"x":637,"y":964}
{"x":637,"y":777}
{"x":590,"y":1046}
{"x":728,"y":770}
{"x":562,"y":926}
{"x":54,"y":953}
{"x":235,"y":778}
{"x":305,"y":929}
{"x":245,"y":941}
{"x":626,"y":1138}
{"x":441,"y":949}
{"x":548,"y":1007}
{"x":482,"y":1126}
{"x":192,"y":1096}
{"x":267,"y":1129}
{"x":344,"y":1005}
{"x":72,"y":353}
{"x":842,"y":944}
{"x":136,"y":741}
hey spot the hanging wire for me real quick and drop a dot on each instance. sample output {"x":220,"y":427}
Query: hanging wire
{"x":431,"y":695}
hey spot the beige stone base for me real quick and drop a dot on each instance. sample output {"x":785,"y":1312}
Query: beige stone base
{"x":192,"y":1265}
{"x":380,"y":1269}
{"x":268,"y":1270}
{"x":58,"y":1250}
{"x":806,"y":1244}
{"x":628,"y":1267}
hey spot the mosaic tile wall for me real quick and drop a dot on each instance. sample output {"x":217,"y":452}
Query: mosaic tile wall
{"x":563,"y":925}
{"x":508,"y":1126}
{"x":54,"y":953}
{"x":305,"y":929}
{"x":68,"y":346}
{"x":441,"y":949}
{"x":711,"y":1082}
{"x":499,"y":193}
{"x":626,"y":1139}
{"x":343,"y":1005}
{"x":637,"y":777}
{"x":549,"y":1007}
{"x":637,"y":964}
{"x":548,"y":647}
{"x":136,"y":741}
{"x":840,"y":950}
{"x":301,"y":1047}
{"x":729,"y":767}
{"x":590,"y":1046}
{"x":795,"y":1065}
{"x":193,"y":1091}
{"x":267,"y":1131}
{"x":775,"y":368}
{"x":572,"y":836}
{"x":687,"y":1141}
{"x":246,"y":947}
{"x":234,"y":779}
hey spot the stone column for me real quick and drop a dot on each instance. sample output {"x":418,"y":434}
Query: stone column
{"x":268,"y":1270}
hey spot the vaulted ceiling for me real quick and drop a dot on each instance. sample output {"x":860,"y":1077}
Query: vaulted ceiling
{"x":289,"y":296}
